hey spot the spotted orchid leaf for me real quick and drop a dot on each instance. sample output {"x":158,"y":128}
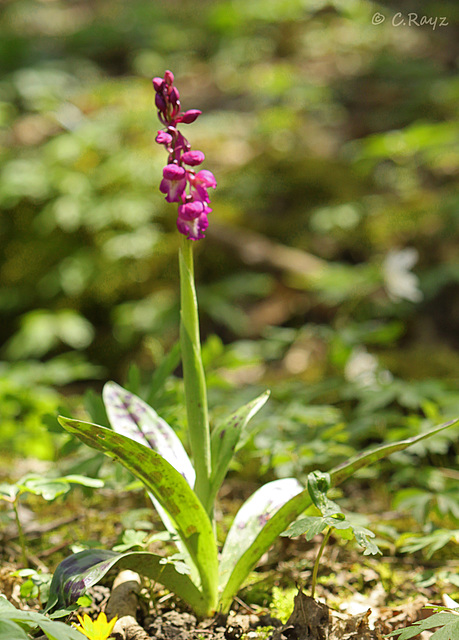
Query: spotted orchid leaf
{"x":132,"y":417}
{"x":252,"y":517}
{"x":366,"y":458}
{"x":226,"y":436}
{"x":169,"y":488}
{"x":78,"y":572}
{"x":299,"y":503}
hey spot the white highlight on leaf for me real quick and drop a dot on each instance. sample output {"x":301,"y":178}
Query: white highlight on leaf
{"x":252,"y":517}
{"x":134,"y":418}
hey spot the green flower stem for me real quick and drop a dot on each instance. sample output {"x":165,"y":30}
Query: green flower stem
{"x":21,"y":536}
{"x":193,"y":375}
{"x":317,"y":562}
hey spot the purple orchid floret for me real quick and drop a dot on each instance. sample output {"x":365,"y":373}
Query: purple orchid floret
{"x":200,"y":182}
{"x":193,"y":229}
{"x":180,"y":183}
{"x":173,"y":183}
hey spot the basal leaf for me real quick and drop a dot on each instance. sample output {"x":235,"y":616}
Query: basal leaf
{"x":348,"y":468}
{"x":225,"y":438}
{"x":251,"y":518}
{"x":299,"y":503}
{"x":78,"y":572}
{"x":165,"y":368}
{"x":168,"y":486}
{"x":132,"y":417}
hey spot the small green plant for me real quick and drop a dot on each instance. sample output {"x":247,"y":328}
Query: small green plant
{"x":19,"y":624}
{"x":331,"y":519}
{"x":446,"y":618}
{"x":184,"y":490}
{"x":35,"y":585}
{"x":47,"y":488}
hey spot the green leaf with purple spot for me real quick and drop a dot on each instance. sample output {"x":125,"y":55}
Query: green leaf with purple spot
{"x":78,"y":572}
{"x":134,"y":418}
{"x":169,"y":487}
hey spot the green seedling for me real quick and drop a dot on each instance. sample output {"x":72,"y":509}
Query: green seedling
{"x":331,"y":520}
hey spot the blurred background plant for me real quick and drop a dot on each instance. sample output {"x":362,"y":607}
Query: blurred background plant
{"x":330,"y":271}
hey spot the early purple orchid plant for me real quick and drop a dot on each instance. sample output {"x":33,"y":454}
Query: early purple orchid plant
{"x":183,"y":489}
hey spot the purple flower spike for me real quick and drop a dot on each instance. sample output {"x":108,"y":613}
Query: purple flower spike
{"x":180,"y":184}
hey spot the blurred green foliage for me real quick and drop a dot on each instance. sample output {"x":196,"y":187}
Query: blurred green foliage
{"x":327,"y":134}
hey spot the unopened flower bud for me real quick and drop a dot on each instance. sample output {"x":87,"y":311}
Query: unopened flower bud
{"x":160,"y":102}
{"x":158,"y":84}
{"x":174,"y":96}
{"x":169,"y":77}
{"x":163,"y":138}
{"x":193,"y":158}
{"x":189,"y":116}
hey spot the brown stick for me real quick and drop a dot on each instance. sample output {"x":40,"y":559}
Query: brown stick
{"x":255,"y":249}
{"x":37,"y":530}
{"x":123,"y":602}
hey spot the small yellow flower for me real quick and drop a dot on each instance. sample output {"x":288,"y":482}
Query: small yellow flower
{"x":99,"y":629}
